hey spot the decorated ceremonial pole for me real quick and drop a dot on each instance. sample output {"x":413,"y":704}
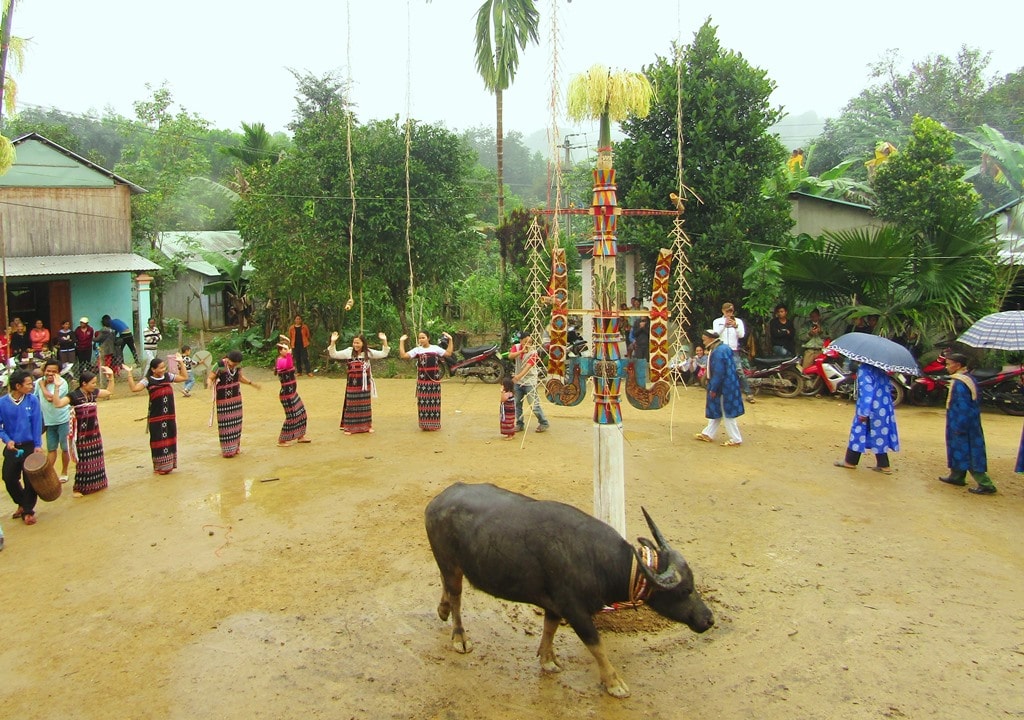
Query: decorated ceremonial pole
{"x":606,"y":97}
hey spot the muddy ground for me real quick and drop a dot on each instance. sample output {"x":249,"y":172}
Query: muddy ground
{"x":297,"y":582}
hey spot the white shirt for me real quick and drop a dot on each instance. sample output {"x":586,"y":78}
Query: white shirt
{"x":730,"y":336}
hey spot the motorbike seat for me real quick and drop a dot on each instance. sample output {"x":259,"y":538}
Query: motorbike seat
{"x":767,"y":362}
{"x":477,"y":350}
{"x":985,"y":373}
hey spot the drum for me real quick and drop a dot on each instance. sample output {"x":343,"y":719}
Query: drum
{"x":42,"y":476}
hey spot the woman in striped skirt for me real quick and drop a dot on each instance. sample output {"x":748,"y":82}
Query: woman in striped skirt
{"x":227,"y":380}
{"x":85,"y":440}
{"x":428,"y":377}
{"x":294,"y":428}
{"x":163,"y":426}
{"x":356,"y":413}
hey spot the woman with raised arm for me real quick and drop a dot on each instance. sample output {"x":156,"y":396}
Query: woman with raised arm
{"x":163,"y":425}
{"x":86,"y":441}
{"x":428,"y":376}
{"x":227,"y":380}
{"x":356,"y":413}
{"x":294,"y":428}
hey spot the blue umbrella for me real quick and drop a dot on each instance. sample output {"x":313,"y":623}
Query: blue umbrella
{"x":876,"y":350}
{"x":998,"y":331}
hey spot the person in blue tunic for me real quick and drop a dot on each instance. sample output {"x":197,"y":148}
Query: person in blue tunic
{"x":965,"y":441}
{"x":724,"y":400}
{"x":874,"y":421}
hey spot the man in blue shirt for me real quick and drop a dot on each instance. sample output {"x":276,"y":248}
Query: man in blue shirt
{"x":21,"y":429}
{"x":123,"y":338}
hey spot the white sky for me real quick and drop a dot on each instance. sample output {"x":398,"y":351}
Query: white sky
{"x":226,"y":60}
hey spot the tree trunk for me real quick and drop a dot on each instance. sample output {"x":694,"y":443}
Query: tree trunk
{"x":5,"y":45}
{"x":500,"y":147}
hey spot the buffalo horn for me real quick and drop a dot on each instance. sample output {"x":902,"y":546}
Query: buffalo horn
{"x":664,"y":580}
{"x":658,"y":537}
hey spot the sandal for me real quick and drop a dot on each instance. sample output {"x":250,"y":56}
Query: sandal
{"x":843,"y":464}
{"x":883,"y":470}
{"x":17,"y":513}
{"x":303,"y":440}
{"x":702,"y":437}
{"x":29,"y":519}
{"x":731,"y":443}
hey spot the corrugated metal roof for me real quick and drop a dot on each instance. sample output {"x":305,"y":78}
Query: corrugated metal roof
{"x":76,"y":264}
{"x":32,"y":169}
{"x":190,"y":246}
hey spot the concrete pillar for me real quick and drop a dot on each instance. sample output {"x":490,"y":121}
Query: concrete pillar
{"x":143,"y":283}
{"x":609,"y":477}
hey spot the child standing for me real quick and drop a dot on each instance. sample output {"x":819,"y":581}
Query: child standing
{"x":66,"y":344}
{"x":507,"y":410}
{"x":188,"y":364}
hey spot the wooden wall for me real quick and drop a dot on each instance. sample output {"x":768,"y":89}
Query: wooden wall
{"x":65,"y":221}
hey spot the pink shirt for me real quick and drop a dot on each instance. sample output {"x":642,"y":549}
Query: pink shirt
{"x":285,"y":363}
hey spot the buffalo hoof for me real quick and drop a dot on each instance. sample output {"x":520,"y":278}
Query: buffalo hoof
{"x":460,"y":644}
{"x":617,"y":688}
{"x":550,"y":665}
{"x":444,"y":609}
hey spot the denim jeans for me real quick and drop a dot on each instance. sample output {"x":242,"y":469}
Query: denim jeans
{"x":524,"y":391}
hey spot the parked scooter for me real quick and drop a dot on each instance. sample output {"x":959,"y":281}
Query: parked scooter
{"x":832,"y":378}
{"x":778,"y":375}
{"x":925,"y":390}
{"x":481,"y":361}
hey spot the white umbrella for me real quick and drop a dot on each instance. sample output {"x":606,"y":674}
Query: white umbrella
{"x":998,"y":331}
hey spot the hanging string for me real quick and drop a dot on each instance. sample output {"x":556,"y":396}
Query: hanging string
{"x":408,"y":153}
{"x":351,"y":168}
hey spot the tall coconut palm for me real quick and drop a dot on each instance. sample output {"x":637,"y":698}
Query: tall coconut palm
{"x":503,"y":28}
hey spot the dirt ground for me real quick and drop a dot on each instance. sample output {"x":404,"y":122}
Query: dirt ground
{"x":297,"y":582}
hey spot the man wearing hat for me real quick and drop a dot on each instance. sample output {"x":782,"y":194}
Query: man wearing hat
{"x":724,"y":400}
{"x":83,"y":343}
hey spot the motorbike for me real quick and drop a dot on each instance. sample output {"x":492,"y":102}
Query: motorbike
{"x":481,"y":361}
{"x":1000,"y":389}
{"x":577,"y":344}
{"x":778,"y":375}
{"x":828,"y":374}
{"x":925,"y":390}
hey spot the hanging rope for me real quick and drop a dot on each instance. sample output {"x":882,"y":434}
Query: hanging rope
{"x":418,"y":323}
{"x":350,"y":303}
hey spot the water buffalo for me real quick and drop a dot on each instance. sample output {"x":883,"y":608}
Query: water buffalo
{"x":556,"y":557}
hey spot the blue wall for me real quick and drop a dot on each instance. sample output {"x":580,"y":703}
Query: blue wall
{"x":97,"y":295}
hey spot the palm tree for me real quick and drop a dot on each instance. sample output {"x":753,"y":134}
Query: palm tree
{"x":8,"y":46}
{"x":258,"y":146}
{"x":503,"y":27}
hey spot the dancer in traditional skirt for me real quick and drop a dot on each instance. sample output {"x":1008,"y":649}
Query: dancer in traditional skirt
{"x":227,"y":380}
{"x":356,"y":413}
{"x":428,"y":377}
{"x":163,"y":427}
{"x":507,"y":410}
{"x":294,"y":428}
{"x":86,"y":443}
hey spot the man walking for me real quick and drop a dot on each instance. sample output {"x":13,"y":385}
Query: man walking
{"x":724,"y":402}
{"x":731,"y":330}
{"x":83,"y":344}
{"x":21,"y":429}
{"x":524,"y":381}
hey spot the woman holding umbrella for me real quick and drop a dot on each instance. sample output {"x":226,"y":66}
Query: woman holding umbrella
{"x":874,"y":421}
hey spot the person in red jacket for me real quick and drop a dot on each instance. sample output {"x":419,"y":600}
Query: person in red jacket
{"x":83,"y":344}
{"x":298,"y":337}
